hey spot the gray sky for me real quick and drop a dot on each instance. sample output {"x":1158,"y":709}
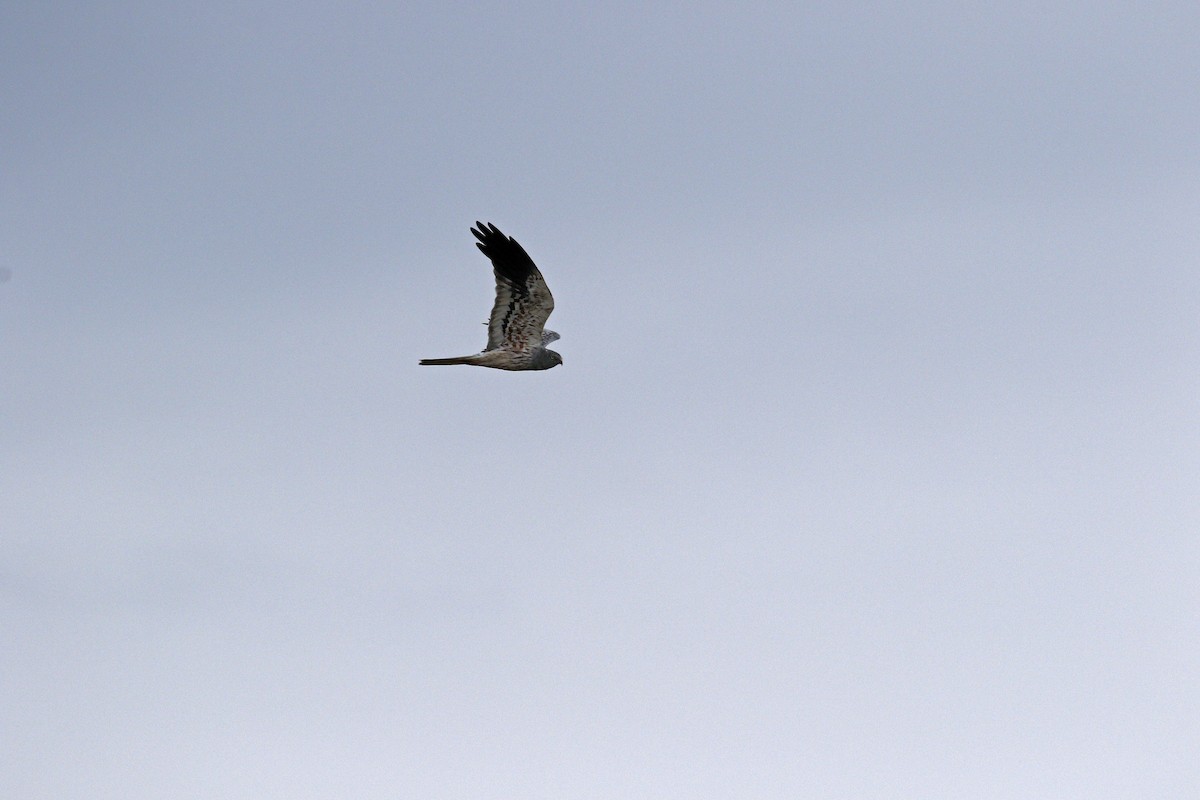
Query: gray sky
{"x":872,"y":470}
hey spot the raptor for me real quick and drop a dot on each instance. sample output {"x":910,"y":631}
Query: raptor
{"x":517,"y":335}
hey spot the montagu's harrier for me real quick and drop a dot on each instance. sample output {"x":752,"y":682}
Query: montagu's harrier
{"x":517,"y":337}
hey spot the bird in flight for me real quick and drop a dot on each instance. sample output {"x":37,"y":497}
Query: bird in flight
{"x":517,"y":337}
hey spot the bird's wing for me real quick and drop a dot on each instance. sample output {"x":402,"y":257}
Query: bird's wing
{"x":523,"y":302}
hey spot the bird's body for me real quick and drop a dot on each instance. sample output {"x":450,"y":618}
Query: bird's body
{"x":517,"y":337}
{"x":501,"y":359}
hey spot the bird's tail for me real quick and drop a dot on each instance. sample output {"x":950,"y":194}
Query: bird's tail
{"x":439,"y":362}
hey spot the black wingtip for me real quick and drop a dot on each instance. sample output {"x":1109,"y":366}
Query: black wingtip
{"x":483,"y":232}
{"x":506,"y":255}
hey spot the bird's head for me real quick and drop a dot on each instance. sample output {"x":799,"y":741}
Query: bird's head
{"x":545,"y":359}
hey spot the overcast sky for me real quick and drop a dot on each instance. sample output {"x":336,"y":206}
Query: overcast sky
{"x":873,"y":469}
